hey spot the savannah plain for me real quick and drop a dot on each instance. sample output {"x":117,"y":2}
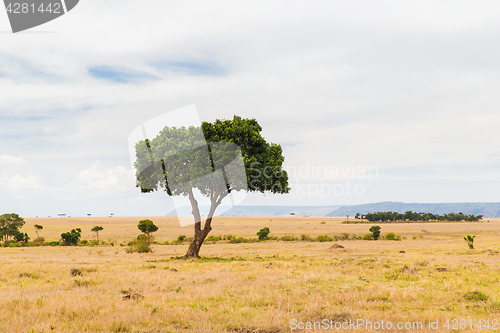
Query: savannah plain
{"x":252,"y":287}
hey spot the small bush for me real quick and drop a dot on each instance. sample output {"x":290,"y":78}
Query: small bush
{"x":287,"y":238}
{"x":368,"y":237}
{"x":390,"y":236}
{"x":38,"y":240}
{"x":323,"y":238}
{"x":476,"y":296}
{"x":213,"y":239}
{"x":355,"y":237}
{"x":239,"y":240}
{"x":72,"y":237}
{"x":305,"y":237}
{"x":262,"y":233}
{"x":344,"y":236}
{"x":181,"y":238}
{"x":140,"y":245}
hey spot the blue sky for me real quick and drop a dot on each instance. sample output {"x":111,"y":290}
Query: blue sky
{"x":410,"y":89}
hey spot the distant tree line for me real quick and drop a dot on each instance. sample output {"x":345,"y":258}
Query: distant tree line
{"x":414,"y":216}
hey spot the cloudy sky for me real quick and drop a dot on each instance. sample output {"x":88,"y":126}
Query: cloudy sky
{"x":370,"y":100}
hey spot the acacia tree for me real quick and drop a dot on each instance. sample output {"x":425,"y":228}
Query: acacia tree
{"x":38,"y":227}
{"x":9,"y":225}
{"x":181,"y":160}
{"x":147,"y":227}
{"x":96,"y":229}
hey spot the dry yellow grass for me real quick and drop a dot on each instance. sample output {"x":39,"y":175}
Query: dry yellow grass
{"x":249,"y":287}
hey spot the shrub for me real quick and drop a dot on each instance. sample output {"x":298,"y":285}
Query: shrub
{"x":287,"y":238}
{"x":355,"y":237}
{"x":38,"y":241}
{"x":139,"y":245}
{"x":181,"y":238}
{"x":390,"y":236}
{"x":84,"y":242}
{"x":470,"y":241}
{"x":375,"y":230}
{"x":324,"y":238}
{"x":262,"y":233}
{"x":344,"y":236}
{"x":368,"y":237}
{"x":212,"y":239}
{"x":238,"y":240}
{"x":476,"y":296}
{"x":305,"y":237}
{"x":72,"y":237}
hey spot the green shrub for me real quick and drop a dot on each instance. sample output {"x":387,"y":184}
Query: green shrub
{"x":72,"y":237}
{"x":476,"y":296}
{"x":38,"y":240}
{"x":323,"y":238}
{"x":390,"y":236}
{"x":262,"y":233}
{"x":305,"y":237}
{"x":368,"y":237}
{"x":239,"y":240}
{"x":84,"y":242}
{"x":213,"y":239}
{"x":375,"y":230}
{"x":355,"y":237}
{"x":181,"y":238}
{"x":287,"y":238}
{"x":344,"y":236}
{"x":470,"y":241}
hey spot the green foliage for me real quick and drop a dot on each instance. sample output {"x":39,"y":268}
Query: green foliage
{"x":470,"y":241}
{"x":413,"y":216}
{"x":262,"y":160}
{"x":392,"y":236}
{"x":21,"y":237}
{"x":10,"y":225}
{"x":262,"y":233}
{"x":476,"y":296}
{"x":181,"y":238}
{"x":37,"y":228}
{"x":287,"y":238}
{"x":375,"y":230}
{"x":140,"y":245}
{"x":368,"y":237}
{"x":147,"y":227}
{"x":96,"y":229}
{"x":324,"y":238}
{"x":72,"y":237}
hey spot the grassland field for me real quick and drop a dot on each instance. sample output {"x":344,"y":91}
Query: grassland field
{"x":253,"y":287}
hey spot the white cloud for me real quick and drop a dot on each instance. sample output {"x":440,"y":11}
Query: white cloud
{"x":18,"y":183}
{"x":115,"y":179}
{"x":11,"y":160}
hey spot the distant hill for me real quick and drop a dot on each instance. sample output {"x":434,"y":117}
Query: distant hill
{"x":487,"y":209}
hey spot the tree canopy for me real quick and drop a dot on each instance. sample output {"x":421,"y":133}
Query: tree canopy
{"x":216,"y":159}
{"x":10,"y":225}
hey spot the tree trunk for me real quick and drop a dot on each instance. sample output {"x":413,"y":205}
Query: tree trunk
{"x":199,"y":236}
{"x":199,"y":233}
